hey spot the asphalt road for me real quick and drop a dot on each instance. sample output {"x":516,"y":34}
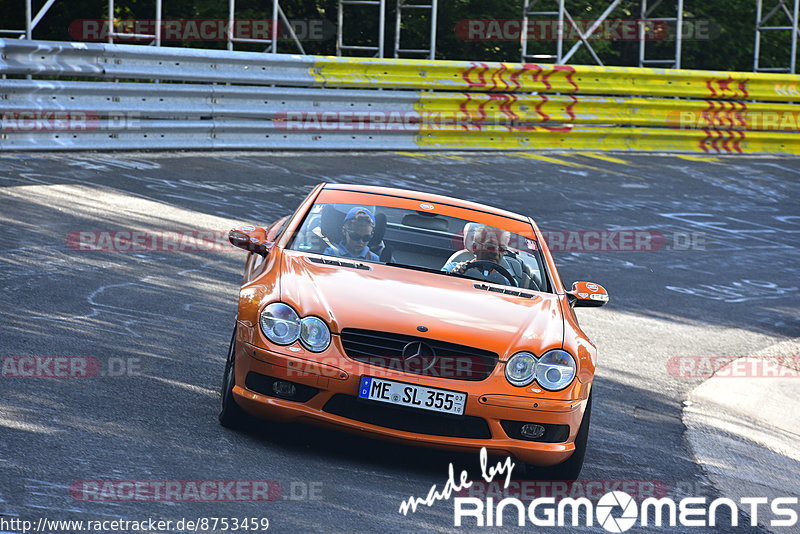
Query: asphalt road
{"x":724,"y":284}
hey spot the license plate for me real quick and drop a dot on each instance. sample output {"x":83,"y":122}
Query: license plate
{"x":434,"y":399}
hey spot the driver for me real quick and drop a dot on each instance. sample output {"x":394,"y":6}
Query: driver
{"x":357,"y":229}
{"x":483,"y":243}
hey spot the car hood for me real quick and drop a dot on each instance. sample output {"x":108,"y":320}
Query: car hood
{"x":392,"y":299}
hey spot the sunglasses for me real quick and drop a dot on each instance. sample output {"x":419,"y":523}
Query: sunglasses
{"x":359,"y":237}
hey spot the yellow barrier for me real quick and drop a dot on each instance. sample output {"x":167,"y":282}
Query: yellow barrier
{"x":515,"y":77}
{"x":648,"y":139}
{"x":510,"y":108}
{"x":526,"y":106}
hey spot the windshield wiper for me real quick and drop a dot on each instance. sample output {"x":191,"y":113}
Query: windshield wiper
{"x":427,"y":270}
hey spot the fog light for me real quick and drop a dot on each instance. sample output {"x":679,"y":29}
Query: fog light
{"x":283,"y":389}
{"x":532,"y":431}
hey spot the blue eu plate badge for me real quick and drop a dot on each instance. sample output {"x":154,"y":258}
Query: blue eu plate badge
{"x":363,"y":390}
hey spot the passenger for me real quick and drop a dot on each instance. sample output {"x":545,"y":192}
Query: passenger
{"x":357,"y":229}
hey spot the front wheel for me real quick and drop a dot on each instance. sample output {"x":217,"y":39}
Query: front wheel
{"x":230,"y":414}
{"x":571,"y":468}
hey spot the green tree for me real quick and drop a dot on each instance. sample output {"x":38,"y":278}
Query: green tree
{"x":724,"y":40}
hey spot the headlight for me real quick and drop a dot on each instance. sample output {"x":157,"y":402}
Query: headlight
{"x":555,"y":370}
{"x":280,"y":323}
{"x":521,"y":369}
{"x":314,"y":334}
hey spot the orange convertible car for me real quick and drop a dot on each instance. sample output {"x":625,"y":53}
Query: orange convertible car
{"x":414,"y":318}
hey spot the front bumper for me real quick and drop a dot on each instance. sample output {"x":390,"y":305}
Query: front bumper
{"x":338,"y":385}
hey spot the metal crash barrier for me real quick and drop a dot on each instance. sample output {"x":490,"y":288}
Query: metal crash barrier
{"x":89,"y":96}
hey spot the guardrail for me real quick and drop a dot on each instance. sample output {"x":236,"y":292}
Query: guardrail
{"x":308,"y":102}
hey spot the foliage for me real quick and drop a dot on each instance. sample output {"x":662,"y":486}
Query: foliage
{"x":729,"y":46}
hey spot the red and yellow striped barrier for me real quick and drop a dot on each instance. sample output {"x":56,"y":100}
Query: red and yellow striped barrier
{"x":529,"y":77}
{"x":527,"y":106}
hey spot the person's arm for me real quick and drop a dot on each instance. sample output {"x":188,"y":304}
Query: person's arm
{"x":455,"y":267}
{"x":456,"y":262}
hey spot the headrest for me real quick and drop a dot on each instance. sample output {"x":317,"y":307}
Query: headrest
{"x":331,"y":223}
{"x":380,"y":230}
{"x":429,"y":222}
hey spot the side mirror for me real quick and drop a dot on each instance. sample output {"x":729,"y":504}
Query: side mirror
{"x":250,"y":238}
{"x":587,"y":294}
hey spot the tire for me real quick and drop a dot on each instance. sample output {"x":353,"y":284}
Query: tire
{"x":571,"y":468}
{"x":230,"y":414}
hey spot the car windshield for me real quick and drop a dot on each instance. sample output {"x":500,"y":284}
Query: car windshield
{"x":419,"y":240}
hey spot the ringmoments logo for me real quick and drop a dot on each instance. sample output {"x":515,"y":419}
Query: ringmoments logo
{"x":617,"y":511}
{"x":614,"y":511}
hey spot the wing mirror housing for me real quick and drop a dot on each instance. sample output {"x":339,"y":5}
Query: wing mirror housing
{"x":251,"y":239}
{"x":587,"y":294}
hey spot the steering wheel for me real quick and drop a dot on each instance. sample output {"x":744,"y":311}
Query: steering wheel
{"x":486,"y":265}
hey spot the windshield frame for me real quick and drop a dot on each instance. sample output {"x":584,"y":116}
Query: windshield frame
{"x":465,"y":213}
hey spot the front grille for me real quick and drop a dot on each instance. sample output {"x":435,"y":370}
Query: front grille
{"x":408,"y":419}
{"x":438,"y":358}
